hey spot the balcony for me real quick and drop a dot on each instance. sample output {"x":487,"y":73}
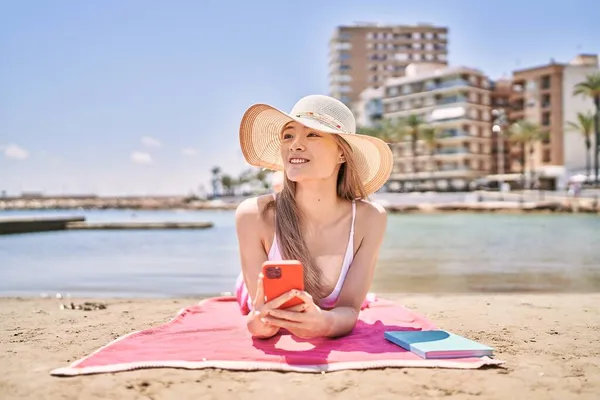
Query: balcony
{"x":410,"y":106}
{"x":452,"y":151}
{"x":458,"y":172}
{"x":420,"y":87}
{"x":453,"y":133}
{"x":374,"y":107}
{"x":445,"y":84}
{"x":457,"y":135}
{"x":340,"y":36}
{"x":445,"y":153}
{"x":452,"y":83}
{"x":451,"y":100}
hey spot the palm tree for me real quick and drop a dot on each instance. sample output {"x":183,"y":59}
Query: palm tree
{"x":413,"y":125}
{"x":395,"y":130}
{"x":591,"y":88}
{"x":215,"y":171}
{"x":585,"y":126}
{"x":514,"y":136}
{"x":374,"y":131}
{"x":388,"y":130}
{"x":261,"y":177}
{"x":246,"y":176}
{"x":527,"y":134}
{"x":429,"y":135}
{"x":228,"y":183}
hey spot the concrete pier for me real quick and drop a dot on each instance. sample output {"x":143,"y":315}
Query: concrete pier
{"x":12,"y":225}
{"x":138,"y":225}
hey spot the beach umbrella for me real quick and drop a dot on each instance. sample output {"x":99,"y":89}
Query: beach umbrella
{"x":580,"y":178}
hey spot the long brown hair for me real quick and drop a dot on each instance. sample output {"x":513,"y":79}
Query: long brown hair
{"x":289,"y":218}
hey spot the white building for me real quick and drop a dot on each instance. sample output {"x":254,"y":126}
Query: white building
{"x":575,"y":72}
{"x":368,"y":109}
{"x":544,"y":95}
{"x":456,"y":101}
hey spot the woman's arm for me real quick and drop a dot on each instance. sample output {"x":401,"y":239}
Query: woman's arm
{"x":342,"y":318}
{"x":250,"y":229}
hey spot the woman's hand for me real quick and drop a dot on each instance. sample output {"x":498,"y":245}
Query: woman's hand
{"x":256,"y":318}
{"x":306,"y":320}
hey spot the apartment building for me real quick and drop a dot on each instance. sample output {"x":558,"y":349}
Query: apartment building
{"x":368,"y":109}
{"x":456,"y":102}
{"x":365,"y":55}
{"x":544,"y":95}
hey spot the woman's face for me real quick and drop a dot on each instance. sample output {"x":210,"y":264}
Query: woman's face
{"x":309,"y":154}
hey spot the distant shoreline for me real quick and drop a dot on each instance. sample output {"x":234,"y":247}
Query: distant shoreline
{"x":185,"y":203}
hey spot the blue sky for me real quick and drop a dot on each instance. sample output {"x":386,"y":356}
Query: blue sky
{"x":144,"y":97}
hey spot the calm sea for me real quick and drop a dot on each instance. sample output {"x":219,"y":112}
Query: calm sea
{"x":421,"y":253}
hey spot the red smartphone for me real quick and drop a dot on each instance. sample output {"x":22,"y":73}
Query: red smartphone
{"x":280,"y":277}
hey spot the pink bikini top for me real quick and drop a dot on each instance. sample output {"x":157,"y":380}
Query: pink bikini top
{"x":331,"y":299}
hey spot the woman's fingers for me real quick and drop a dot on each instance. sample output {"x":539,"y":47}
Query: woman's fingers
{"x":299,"y":308}
{"x":281,"y":300}
{"x":281,"y":323}
{"x":287,"y":315}
{"x":305,"y":297}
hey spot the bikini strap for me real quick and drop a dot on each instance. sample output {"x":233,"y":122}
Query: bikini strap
{"x":353,"y":217}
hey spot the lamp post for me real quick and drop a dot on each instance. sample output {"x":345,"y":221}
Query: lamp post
{"x":499,"y":121}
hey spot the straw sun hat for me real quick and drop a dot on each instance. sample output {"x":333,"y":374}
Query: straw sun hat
{"x":262,"y":125}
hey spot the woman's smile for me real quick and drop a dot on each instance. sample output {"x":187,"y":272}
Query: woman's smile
{"x":298,"y":160}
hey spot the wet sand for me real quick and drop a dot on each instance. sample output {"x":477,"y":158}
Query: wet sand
{"x":550,"y":343}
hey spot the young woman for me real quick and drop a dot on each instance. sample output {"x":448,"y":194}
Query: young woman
{"x":320,"y":217}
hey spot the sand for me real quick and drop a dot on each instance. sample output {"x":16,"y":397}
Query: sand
{"x":551,"y":345}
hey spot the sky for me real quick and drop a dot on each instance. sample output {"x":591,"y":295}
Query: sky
{"x":144,"y":97}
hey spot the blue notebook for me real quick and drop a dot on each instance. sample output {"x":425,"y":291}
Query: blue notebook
{"x":438,"y":344}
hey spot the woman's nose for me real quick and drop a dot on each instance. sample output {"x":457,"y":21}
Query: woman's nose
{"x":297,"y":144}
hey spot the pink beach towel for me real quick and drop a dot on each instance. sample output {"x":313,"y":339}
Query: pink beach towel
{"x":213,"y":334}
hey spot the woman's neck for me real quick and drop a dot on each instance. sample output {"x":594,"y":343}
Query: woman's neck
{"x":318,"y":201}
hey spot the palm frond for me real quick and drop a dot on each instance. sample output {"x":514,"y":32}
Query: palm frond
{"x":590,"y":87}
{"x":585,"y":124}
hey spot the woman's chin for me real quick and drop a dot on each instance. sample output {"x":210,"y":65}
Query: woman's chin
{"x":296,"y":177}
{"x":299,"y":175}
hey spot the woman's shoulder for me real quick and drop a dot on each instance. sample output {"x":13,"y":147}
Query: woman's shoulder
{"x":370,"y":214}
{"x":254,"y":210}
{"x":370,"y":209}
